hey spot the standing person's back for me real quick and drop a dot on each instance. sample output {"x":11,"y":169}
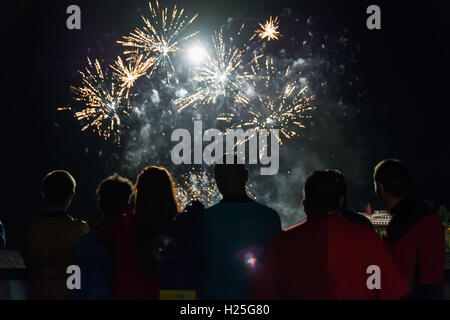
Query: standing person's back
{"x":132,"y":233}
{"x":236,"y":232}
{"x":130,"y":279}
{"x":96,"y":261}
{"x":49,"y":247}
{"x":415,"y":234}
{"x":328,"y":256}
{"x":50,"y":240}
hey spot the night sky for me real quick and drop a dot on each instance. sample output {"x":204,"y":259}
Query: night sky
{"x":399,"y":108}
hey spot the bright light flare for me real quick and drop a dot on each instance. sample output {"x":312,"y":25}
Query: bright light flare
{"x":197,"y":54}
{"x":160,"y":37}
{"x":250,"y":260}
{"x":219,"y":76}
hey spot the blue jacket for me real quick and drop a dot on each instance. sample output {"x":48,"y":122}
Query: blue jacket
{"x":236,"y":232}
{"x":96,"y":266}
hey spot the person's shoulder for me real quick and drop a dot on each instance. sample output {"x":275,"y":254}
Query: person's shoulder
{"x":263,"y":208}
{"x":215,"y":212}
{"x":295,"y":228}
{"x":35,"y":223}
{"x":354,"y":229}
{"x":430,"y":223}
{"x":433,"y":218}
{"x":87,"y":239}
{"x":357,"y":217}
{"x":214,"y":207}
{"x":284,"y":238}
{"x":296,"y":231}
{"x":78,"y":223}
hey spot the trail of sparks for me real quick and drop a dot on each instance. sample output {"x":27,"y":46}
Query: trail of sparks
{"x":103,"y":101}
{"x":128,"y":74}
{"x":219,"y":76}
{"x":285,"y":112}
{"x":160,"y":37}
{"x":268,"y":30}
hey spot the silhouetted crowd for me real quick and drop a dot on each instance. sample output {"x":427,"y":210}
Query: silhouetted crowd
{"x":147,"y":247}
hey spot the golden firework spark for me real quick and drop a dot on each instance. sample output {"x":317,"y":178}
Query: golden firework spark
{"x":271,"y":110}
{"x":103,"y":102}
{"x":287,"y":114}
{"x":128,"y":74}
{"x":160,"y":37}
{"x":262,"y":71}
{"x":219,"y":75}
{"x":196,"y":184}
{"x":268,"y":30}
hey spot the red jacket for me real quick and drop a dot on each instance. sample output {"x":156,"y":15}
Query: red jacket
{"x":416,"y":238}
{"x":129,"y":278}
{"x":327,"y":258}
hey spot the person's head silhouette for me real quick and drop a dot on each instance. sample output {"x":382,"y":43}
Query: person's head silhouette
{"x":392,"y":181}
{"x":323,"y":193}
{"x":155,"y":207}
{"x":342,"y":186}
{"x":231,"y":178}
{"x":114,"y":194}
{"x":156,"y":194}
{"x":58,"y":190}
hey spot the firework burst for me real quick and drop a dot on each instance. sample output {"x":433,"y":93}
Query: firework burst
{"x":286,"y":114}
{"x":103,"y":102}
{"x":269,"y":30}
{"x":160,"y":37}
{"x":128,"y":74}
{"x":272,"y":110}
{"x":219,"y":76}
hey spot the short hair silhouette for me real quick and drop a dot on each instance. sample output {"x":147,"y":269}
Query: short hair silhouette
{"x":341,"y":179}
{"x":230,"y":177}
{"x":323,"y":191}
{"x":234,"y":168}
{"x":395,"y":177}
{"x":114,"y":193}
{"x":57,"y":187}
